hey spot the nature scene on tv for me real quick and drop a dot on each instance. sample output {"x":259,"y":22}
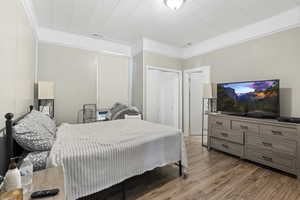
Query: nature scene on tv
{"x":258,"y":96}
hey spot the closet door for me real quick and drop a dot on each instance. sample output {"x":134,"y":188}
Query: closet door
{"x":153,"y":96}
{"x":113,"y":80}
{"x":169,"y":96}
{"x":163,"y":97}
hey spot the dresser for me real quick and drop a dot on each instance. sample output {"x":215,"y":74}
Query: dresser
{"x":268,"y":142}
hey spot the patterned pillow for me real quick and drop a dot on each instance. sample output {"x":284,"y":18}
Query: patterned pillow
{"x":43,"y":120}
{"x":32,"y":136}
{"x":38,"y":159}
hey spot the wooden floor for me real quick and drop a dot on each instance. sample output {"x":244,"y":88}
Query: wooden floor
{"x":212,"y":176}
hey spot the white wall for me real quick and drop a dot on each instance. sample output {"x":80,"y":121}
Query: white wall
{"x":159,"y":60}
{"x":74,"y":72}
{"x":82,"y":77}
{"x":17,"y":63}
{"x":271,"y":57}
{"x":17,"y":60}
{"x":113,"y":80}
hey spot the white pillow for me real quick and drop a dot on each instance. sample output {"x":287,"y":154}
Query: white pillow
{"x":139,"y":116}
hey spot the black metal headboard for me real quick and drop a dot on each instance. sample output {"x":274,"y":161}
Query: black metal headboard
{"x":13,"y":149}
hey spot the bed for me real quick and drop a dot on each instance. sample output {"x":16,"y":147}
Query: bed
{"x":96,"y":156}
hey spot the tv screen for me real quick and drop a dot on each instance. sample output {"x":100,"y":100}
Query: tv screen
{"x":249,"y":97}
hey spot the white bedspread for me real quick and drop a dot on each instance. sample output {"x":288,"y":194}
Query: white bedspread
{"x":96,"y":156}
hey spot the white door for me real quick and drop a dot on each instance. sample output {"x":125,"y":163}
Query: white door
{"x":162,"y":104}
{"x":196,"y":80}
{"x":153,"y":94}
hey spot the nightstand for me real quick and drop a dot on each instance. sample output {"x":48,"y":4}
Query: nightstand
{"x":49,"y":179}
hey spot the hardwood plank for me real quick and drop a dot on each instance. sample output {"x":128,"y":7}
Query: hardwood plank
{"x":212,"y":176}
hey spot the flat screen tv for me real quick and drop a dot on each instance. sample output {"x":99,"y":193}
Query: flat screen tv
{"x":251,"y":98}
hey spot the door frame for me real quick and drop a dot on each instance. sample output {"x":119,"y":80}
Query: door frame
{"x":179,"y":72}
{"x":186,"y":93}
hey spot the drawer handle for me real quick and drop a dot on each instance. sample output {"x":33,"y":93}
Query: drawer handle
{"x":219,"y":123}
{"x":277,"y":132}
{"x":244,"y":127}
{"x":267,"y":158}
{"x":225,"y":146}
{"x":224,"y":134}
{"x":267,"y":144}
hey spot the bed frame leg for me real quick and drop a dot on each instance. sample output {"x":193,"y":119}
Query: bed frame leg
{"x":123,"y":191}
{"x":180,"y":168}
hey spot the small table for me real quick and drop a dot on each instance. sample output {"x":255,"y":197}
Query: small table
{"x":50,"y":178}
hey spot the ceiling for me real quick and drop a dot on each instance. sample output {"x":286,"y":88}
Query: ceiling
{"x":126,"y":21}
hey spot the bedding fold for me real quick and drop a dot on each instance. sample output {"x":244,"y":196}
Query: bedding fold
{"x":98,"y":155}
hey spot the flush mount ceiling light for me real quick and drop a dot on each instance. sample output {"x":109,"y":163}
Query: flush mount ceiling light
{"x":174,"y":4}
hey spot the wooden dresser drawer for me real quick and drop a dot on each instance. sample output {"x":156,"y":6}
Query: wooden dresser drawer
{"x":285,"y":163}
{"x":234,"y":136}
{"x":277,"y":131}
{"x":229,"y":147}
{"x":260,"y":156}
{"x":264,"y":141}
{"x":244,"y":126}
{"x":269,"y":158}
{"x":221,"y":123}
{"x":285,"y":147}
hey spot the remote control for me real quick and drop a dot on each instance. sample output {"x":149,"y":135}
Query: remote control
{"x":44,"y":193}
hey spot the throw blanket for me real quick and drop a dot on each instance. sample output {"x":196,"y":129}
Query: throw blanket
{"x":96,"y":156}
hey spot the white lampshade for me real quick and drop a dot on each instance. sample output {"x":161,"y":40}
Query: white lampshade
{"x":208,"y":91}
{"x":45,"y":90}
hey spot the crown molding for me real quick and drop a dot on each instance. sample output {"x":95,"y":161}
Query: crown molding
{"x":82,"y":42}
{"x":282,"y":22}
{"x":71,"y":40}
{"x":161,"y":48}
{"x":278,"y":23}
